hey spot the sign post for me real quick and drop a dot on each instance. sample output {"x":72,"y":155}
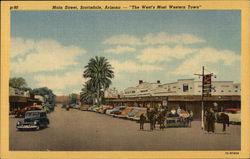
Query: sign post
{"x":206,"y":91}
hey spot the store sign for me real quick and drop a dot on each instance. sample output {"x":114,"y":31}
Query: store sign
{"x":207,"y":85}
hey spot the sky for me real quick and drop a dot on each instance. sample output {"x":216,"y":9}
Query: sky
{"x":51,"y":48}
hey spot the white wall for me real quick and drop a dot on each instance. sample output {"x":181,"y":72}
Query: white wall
{"x":176,"y":88}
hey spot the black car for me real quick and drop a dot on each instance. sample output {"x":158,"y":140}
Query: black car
{"x":35,"y":119}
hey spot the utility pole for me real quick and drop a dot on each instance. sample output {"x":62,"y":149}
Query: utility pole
{"x":206,"y":91}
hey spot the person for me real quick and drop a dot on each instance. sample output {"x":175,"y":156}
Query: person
{"x":224,"y":118}
{"x":161,"y":119}
{"x":179,"y":111}
{"x":215,"y":111}
{"x":152,"y":120}
{"x":142,"y":121}
{"x":205,"y":119}
{"x":210,"y":121}
{"x":190,"y":118}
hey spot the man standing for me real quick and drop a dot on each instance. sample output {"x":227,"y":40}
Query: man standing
{"x":210,"y":120}
{"x":215,"y":110}
{"x":160,"y":121}
{"x":190,"y":118}
{"x":151,"y":120}
{"x":142,"y":121}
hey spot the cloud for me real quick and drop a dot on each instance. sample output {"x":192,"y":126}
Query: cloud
{"x":20,"y":46}
{"x":204,"y":57}
{"x":45,"y":55}
{"x":123,"y":39}
{"x":60,"y":83}
{"x":120,"y":49}
{"x":164,"y":53}
{"x":151,"y":39}
{"x":132,"y":67}
{"x":164,"y":38}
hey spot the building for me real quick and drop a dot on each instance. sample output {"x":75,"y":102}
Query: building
{"x":19,"y":99}
{"x":186,"y":87}
{"x":184,"y":93}
{"x":111,"y":93}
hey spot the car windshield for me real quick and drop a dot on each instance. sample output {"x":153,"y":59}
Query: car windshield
{"x":32,"y":115}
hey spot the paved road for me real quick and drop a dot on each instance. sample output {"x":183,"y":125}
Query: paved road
{"x":88,"y":131}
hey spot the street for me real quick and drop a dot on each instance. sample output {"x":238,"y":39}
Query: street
{"x":77,"y":130}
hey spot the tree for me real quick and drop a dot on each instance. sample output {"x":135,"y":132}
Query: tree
{"x":100,"y":73}
{"x":46,"y":93}
{"x":73,"y":98}
{"x":88,"y":93}
{"x":17,"y":82}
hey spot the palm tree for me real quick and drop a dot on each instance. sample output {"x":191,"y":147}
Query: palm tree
{"x":88,"y":93}
{"x":100,"y":73}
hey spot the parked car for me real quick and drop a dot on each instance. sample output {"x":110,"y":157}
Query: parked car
{"x":108,"y":108}
{"x":115,"y":110}
{"x":133,"y":113}
{"x":92,"y":107}
{"x":137,"y":115}
{"x":84,"y":107}
{"x":234,"y":115}
{"x":75,"y":106}
{"x":104,"y":108}
{"x":35,"y":119}
{"x":21,"y":112}
{"x":124,"y":113}
{"x":96,"y":109}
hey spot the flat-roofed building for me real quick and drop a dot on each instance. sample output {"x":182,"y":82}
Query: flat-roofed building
{"x":184,"y":87}
{"x":184,"y":92}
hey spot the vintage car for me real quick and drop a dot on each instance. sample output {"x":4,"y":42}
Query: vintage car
{"x":133,"y":113}
{"x":75,"y":106}
{"x":115,"y":110}
{"x":124,"y":113}
{"x":136,"y":117}
{"x":84,"y":107}
{"x":21,"y":112}
{"x":92,"y":107}
{"x":103,"y":108}
{"x":35,"y":119}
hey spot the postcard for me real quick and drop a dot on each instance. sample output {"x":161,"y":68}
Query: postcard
{"x":125,"y":79}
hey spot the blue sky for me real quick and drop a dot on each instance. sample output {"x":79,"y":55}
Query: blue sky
{"x":51,"y":48}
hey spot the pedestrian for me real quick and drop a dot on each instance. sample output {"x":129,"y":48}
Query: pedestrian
{"x":210,"y":121}
{"x":142,"y":121}
{"x":215,"y":111}
{"x":152,"y":120}
{"x":190,"y":117}
{"x":161,"y":119}
{"x":224,"y":118}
